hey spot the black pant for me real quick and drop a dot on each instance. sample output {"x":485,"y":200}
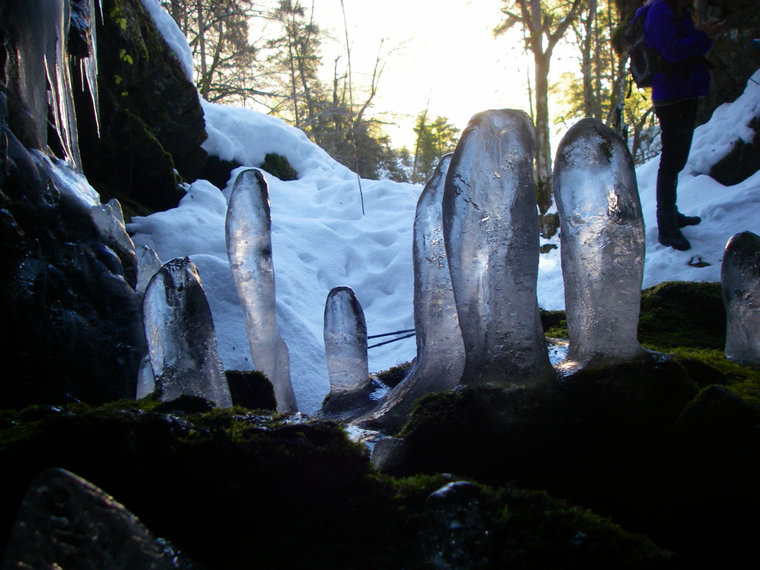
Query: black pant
{"x":676,"y":131}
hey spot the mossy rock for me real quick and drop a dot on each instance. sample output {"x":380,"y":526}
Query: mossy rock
{"x":678,"y":313}
{"x":152,"y":124}
{"x":636,"y":442}
{"x":278,"y":165}
{"x":232,"y":489}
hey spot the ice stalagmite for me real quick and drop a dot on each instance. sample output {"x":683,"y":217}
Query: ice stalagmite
{"x":440,"y":351}
{"x":490,"y":226}
{"x":249,"y":247}
{"x":345,"y":334}
{"x":180,"y":335}
{"x":602,"y":241}
{"x":740,"y":279}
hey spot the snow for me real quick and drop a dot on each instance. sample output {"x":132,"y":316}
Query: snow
{"x":321,"y":239}
{"x":172,"y":35}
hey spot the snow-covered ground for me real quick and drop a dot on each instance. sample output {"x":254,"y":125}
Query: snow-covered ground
{"x":321,"y":239}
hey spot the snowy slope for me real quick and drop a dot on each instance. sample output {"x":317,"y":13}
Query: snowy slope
{"x":321,"y":238}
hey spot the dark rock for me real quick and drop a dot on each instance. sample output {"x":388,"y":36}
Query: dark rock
{"x":218,"y":171}
{"x":721,"y":428}
{"x":151,"y":119}
{"x":251,"y":389}
{"x":733,"y":57}
{"x":388,"y":454}
{"x":71,"y":319}
{"x":742,"y":161}
{"x":67,"y":522}
{"x":350,"y":405}
{"x":278,"y":166}
{"x":185,"y":404}
{"x":234,"y":490}
{"x":678,"y":313}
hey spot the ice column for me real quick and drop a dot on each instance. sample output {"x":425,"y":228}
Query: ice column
{"x":249,"y":247}
{"x":490,"y":226}
{"x":180,"y":335}
{"x":740,"y":279}
{"x":345,"y":334}
{"x":602,"y":241}
{"x":440,"y":351}
{"x":40,"y":33}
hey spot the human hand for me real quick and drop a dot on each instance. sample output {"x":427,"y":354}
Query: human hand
{"x":714,"y":27}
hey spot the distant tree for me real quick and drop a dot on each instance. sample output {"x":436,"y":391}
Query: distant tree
{"x":294,"y":60}
{"x":434,"y":139}
{"x":224,"y":57}
{"x":544,"y":23}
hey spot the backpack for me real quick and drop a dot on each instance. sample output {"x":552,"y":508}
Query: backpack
{"x":644,"y":62}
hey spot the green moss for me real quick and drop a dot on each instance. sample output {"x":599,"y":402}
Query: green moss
{"x":229,"y":487}
{"x":682,"y":314}
{"x":394,"y":375}
{"x":554,"y":323}
{"x":279,"y":166}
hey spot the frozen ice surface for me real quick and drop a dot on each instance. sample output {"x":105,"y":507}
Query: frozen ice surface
{"x":146,"y":382}
{"x":740,"y":280}
{"x":249,"y":247}
{"x":180,"y":335}
{"x":440,"y":350}
{"x":345,"y":334}
{"x":109,"y":219}
{"x":490,"y":226}
{"x":148,"y":264}
{"x":602,"y":244}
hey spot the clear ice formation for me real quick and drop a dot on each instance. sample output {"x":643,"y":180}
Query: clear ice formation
{"x":249,"y":248}
{"x":490,"y":227}
{"x":740,"y":280}
{"x":181,"y":337}
{"x":41,"y":58}
{"x":440,"y":351}
{"x":602,"y":244}
{"x":345,"y":335}
{"x":148,"y":264}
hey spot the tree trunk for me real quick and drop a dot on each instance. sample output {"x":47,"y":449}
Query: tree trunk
{"x":543,"y":146}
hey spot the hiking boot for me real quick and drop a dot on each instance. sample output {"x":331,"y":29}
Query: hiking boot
{"x":684,"y":221}
{"x":669,"y":232}
{"x":674,"y":239}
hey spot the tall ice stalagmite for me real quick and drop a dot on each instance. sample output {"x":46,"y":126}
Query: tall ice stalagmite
{"x":740,"y":280}
{"x":181,"y":337}
{"x":490,"y":225}
{"x":602,"y":241}
{"x":440,"y":351}
{"x":249,"y":247}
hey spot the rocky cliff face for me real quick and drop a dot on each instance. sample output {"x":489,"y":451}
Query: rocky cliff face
{"x":71,"y":318}
{"x":151,"y":119}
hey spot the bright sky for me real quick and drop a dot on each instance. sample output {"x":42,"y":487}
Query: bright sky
{"x":443,"y":53}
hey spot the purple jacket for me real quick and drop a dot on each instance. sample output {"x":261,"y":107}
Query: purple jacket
{"x":681,"y":44}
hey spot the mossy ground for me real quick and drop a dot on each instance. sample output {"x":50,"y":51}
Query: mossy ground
{"x":667,"y":449}
{"x":233,"y":489}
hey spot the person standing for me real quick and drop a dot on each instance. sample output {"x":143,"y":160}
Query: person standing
{"x":682,"y":76}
